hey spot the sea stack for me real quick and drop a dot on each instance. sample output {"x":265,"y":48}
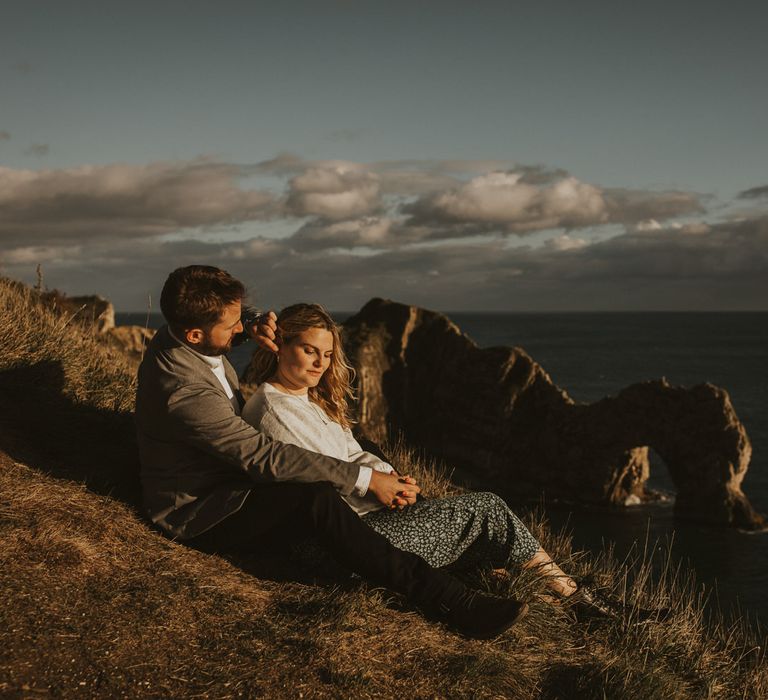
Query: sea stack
{"x":496,"y":416}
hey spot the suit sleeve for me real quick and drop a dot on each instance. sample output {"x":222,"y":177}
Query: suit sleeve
{"x":200,"y":417}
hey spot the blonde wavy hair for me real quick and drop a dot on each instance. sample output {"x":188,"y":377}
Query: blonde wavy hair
{"x":334,"y":391}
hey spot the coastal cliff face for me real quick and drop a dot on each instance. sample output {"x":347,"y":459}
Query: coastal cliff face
{"x":496,"y":416}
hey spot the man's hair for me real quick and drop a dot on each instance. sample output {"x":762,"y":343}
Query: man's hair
{"x":195,"y":296}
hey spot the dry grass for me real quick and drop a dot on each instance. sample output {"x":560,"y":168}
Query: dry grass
{"x":95,"y":604}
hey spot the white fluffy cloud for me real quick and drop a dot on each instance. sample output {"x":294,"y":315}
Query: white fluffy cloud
{"x":368,"y":232}
{"x":123,"y":200}
{"x":335,"y":192}
{"x":506,"y":199}
{"x":525,"y":201}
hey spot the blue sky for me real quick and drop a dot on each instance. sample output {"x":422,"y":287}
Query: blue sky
{"x":454,"y":155}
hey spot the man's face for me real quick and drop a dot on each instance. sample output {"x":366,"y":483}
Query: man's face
{"x":218,"y":340}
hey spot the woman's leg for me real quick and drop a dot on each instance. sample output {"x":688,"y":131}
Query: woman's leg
{"x":472,"y":528}
{"x":555,"y":577}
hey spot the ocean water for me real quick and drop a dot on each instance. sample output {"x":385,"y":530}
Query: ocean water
{"x":592,"y":355}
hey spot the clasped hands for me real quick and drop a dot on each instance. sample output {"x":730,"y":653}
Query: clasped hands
{"x":393,"y":490}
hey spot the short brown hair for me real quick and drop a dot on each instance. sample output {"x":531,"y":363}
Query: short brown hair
{"x":195,"y":296}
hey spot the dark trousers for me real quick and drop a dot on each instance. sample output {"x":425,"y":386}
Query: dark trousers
{"x":279,"y":514}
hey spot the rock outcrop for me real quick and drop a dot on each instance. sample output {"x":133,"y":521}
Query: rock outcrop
{"x":92,"y":310}
{"x":496,"y":415}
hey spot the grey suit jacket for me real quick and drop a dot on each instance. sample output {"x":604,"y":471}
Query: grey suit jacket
{"x":198,"y":457}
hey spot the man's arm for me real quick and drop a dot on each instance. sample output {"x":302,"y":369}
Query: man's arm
{"x":200,"y":418}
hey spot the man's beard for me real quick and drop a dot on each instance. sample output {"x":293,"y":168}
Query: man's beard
{"x":206,"y":347}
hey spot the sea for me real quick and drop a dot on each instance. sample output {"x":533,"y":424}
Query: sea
{"x":595,"y":354}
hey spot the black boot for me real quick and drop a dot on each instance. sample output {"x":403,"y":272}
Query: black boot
{"x":479,"y":615}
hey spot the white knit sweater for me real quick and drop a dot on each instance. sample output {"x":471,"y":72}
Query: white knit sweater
{"x":294,"y":419}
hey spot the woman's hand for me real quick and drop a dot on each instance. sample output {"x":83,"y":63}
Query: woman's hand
{"x":264,"y":332}
{"x":392,"y":490}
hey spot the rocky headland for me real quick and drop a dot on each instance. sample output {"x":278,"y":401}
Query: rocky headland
{"x":495,"y":415}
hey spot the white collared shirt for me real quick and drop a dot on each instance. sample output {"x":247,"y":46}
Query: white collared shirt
{"x":215,"y":362}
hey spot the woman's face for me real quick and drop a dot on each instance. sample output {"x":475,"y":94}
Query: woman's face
{"x":302,"y":362}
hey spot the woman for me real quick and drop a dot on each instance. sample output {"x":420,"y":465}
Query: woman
{"x":303,"y":398}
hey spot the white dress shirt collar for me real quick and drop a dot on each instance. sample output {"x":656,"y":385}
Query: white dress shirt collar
{"x":215,"y":362}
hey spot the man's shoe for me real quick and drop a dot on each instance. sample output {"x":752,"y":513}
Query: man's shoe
{"x":481,"y":616}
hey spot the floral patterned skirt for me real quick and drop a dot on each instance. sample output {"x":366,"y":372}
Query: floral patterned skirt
{"x":468,"y":530}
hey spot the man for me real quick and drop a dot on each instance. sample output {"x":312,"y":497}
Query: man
{"x":212,"y":481}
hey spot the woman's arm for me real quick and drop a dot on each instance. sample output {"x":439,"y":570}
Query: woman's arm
{"x":358,"y":455}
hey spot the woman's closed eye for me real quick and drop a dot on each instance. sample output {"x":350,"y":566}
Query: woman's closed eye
{"x":311,"y":351}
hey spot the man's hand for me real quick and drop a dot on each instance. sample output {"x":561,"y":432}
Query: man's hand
{"x":264,"y":332}
{"x":392,"y":490}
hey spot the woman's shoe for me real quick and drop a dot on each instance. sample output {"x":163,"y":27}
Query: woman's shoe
{"x":589,"y":604}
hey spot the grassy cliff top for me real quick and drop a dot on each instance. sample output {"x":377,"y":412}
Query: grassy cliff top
{"x":93,"y":603}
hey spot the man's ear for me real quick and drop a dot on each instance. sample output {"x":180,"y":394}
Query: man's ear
{"x":194,"y":336}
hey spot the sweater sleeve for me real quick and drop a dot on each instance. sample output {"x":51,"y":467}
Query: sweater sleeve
{"x":284,"y":420}
{"x":356,"y":454}
{"x":200,"y":418}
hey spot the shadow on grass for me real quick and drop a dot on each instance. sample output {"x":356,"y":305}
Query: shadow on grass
{"x":50,"y":431}
{"x":46,"y":429}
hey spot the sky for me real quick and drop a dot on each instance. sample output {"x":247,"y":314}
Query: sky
{"x":487,"y":156}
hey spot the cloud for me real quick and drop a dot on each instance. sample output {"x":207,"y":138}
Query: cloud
{"x":699,"y":252}
{"x":535,"y":199}
{"x":565,"y":242}
{"x":335,"y":192}
{"x":5,"y":135}
{"x":368,"y":232}
{"x":631,"y":206}
{"x":754,"y":193}
{"x":505,"y":200}
{"x":399,"y":177}
{"x":283,"y":164}
{"x":38,"y":149}
{"x":442,"y":234}
{"x":124,"y":200}
{"x":722,"y":266}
